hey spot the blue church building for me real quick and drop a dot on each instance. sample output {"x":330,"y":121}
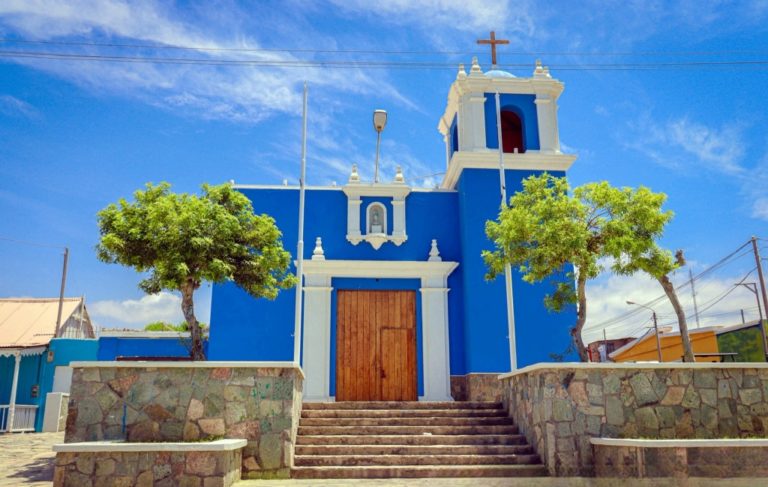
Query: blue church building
{"x":396,"y":305}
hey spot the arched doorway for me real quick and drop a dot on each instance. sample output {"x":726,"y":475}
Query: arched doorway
{"x":512,"y":131}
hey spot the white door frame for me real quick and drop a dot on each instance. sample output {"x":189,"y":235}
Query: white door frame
{"x":316,"y":349}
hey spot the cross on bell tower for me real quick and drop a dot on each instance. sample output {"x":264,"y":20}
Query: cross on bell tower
{"x":493,"y":42}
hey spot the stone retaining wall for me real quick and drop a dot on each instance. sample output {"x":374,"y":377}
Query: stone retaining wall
{"x":476,"y":387}
{"x":643,"y":459}
{"x":191,"y":401}
{"x":560,"y":407}
{"x":155,"y":467}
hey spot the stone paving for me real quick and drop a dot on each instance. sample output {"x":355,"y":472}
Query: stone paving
{"x":26,"y":460}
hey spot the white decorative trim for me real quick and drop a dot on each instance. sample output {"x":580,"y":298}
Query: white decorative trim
{"x":122,"y":446}
{"x":22,"y":352}
{"x":144,"y":334}
{"x":393,"y":190}
{"x":434,"y":252}
{"x":316,"y":346}
{"x":398,"y":191}
{"x":379,"y":269}
{"x":369,"y":224}
{"x":434,"y":322}
{"x":682,"y":443}
{"x":318,"y":253}
{"x":634,"y":366}
{"x":489,"y":159}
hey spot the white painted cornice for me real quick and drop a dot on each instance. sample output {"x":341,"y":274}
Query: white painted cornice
{"x":202,"y":364}
{"x":379,"y":268}
{"x":123,"y":446}
{"x":394,"y":190}
{"x":682,"y":443}
{"x":633,"y":366}
{"x":526,"y":161}
{"x":22,"y":351}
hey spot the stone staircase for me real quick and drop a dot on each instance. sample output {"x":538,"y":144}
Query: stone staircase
{"x":409,"y":440}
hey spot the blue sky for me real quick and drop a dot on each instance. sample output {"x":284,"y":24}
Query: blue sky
{"x":77,"y":135}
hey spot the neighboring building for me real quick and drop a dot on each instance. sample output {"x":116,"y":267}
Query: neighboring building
{"x":645,"y":349}
{"x":33,"y":361}
{"x":600,"y":351}
{"x":745,"y":339}
{"x":144,"y":345}
{"x":396,"y":304}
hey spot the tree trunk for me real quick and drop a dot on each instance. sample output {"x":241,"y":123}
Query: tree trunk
{"x":188,"y":308}
{"x":581,"y":318}
{"x":669,"y":290}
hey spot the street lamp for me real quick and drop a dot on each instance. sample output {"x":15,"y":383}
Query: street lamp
{"x":379,"y":122}
{"x":655,"y":326}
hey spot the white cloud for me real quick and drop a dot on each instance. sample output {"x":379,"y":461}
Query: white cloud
{"x":719,"y":303}
{"x":10,"y":105}
{"x":467,"y":15}
{"x":718,"y":149}
{"x":163,"y":306}
{"x":235,"y":93}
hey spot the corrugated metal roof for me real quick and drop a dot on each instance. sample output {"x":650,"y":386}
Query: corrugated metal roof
{"x":29,"y":322}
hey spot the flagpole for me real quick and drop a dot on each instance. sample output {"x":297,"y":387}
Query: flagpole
{"x":507,"y":267}
{"x":300,"y":244}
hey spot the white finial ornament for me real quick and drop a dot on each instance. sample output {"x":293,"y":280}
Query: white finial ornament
{"x":475,"y":71}
{"x":434,"y":253}
{"x":541,"y":71}
{"x":354,"y":177}
{"x":318,"y":253}
{"x":462,"y":73}
{"x":399,"y":178}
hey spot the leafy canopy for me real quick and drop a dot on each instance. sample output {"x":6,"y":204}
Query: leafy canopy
{"x":545,"y":227}
{"x":183,"y":239}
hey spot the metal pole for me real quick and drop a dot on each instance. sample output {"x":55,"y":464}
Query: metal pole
{"x":300,"y":244}
{"x":743,"y":321}
{"x":507,"y":267}
{"x":61,"y":292}
{"x":693,"y":292}
{"x":376,"y":166}
{"x":762,"y":288}
{"x":658,"y":340}
{"x":605,"y":345}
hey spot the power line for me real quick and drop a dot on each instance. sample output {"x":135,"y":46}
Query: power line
{"x":345,"y":64}
{"x":33,"y":244}
{"x":378,"y":51}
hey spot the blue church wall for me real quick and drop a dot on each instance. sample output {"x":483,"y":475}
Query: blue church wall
{"x":342,"y":283}
{"x":110,"y":348}
{"x":243,"y":328}
{"x":524,"y":106}
{"x":486,"y":343}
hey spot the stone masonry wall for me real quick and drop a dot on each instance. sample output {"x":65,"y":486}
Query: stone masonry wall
{"x":710,"y":462}
{"x":141,"y":403}
{"x":476,"y":387}
{"x":559,"y":408}
{"x":148,"y":469}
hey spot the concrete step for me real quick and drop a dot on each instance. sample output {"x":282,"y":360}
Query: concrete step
{"x":417,"y":471}
{"x":422,"y":421}
{"x":408,"y":430}
{"x":413,"y":450}
{"x":402,"y":413}
{"x":382,"y":460}
{"x":410,"y":439}
{"x":402,"y":405}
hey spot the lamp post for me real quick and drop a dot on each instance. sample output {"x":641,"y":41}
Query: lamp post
{"x":655,"y":326}
{"x":379,"y":122}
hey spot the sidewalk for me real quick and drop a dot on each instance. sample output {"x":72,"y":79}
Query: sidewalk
{"x":26,"y":459}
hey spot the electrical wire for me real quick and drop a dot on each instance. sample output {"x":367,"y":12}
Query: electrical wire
{"x":33,"y":244}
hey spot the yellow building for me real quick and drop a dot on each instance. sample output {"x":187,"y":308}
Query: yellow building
{"x":644,"y":348}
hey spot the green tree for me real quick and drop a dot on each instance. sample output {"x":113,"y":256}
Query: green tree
{"x":165,"y":326}
{"x":181,"y":240}
{"x":545,"y":228}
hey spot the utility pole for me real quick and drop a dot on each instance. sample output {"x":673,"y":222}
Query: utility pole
{"x":743,"y":322}
{"x":658,"y":340}
{"x":762,"y":288}
{"x":61,"y":292}
{"x":693,"y":292}
{"x":300,"y":244}
{"x":605,"y":345}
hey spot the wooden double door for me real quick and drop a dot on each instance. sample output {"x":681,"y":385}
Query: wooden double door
{"x":376,"y":346}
